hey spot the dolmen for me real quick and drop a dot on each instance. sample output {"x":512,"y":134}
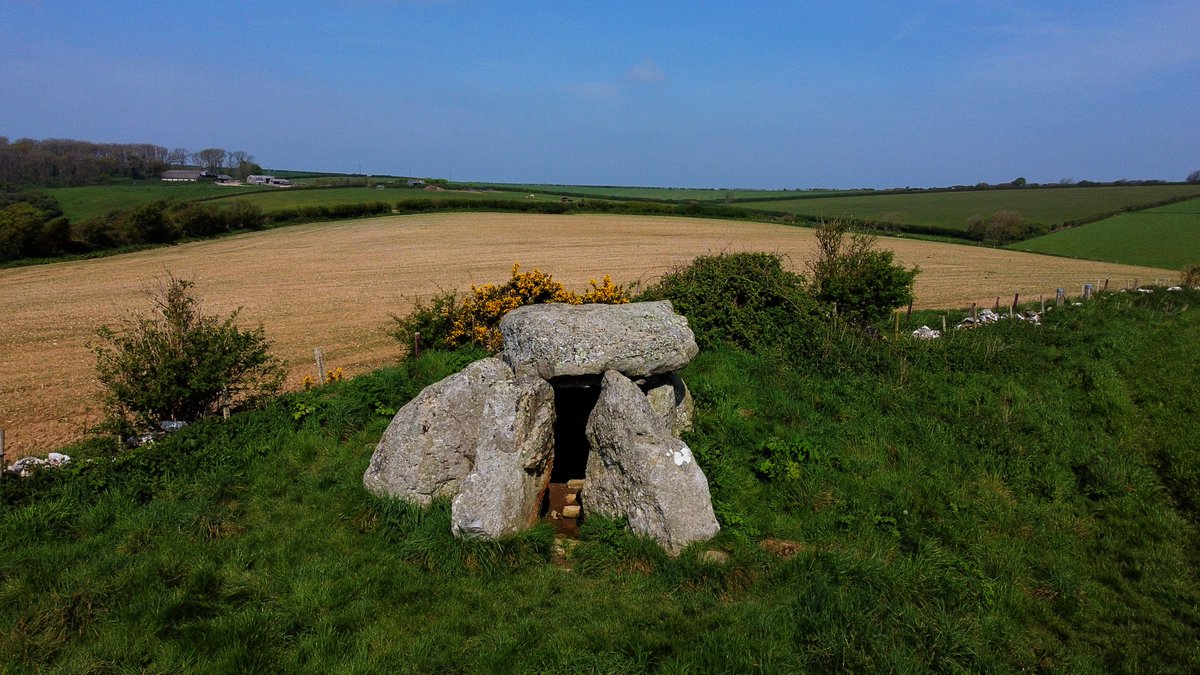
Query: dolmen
{"x":585,"y":395}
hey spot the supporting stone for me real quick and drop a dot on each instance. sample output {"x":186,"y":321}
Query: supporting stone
{"x":637,"y":470}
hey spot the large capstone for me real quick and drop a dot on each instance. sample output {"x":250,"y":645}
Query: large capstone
{"x":429,"y":447}
{"x":513,"y":458}
{"x":562,"y":341}
{"x":639,"y":471}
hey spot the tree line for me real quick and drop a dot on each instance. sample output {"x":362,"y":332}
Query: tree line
{"x":63,"y":162}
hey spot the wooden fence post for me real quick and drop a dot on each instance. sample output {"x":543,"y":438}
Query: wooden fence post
{"x":1042,"y":301}
{"x":1060,"y":297}
{"x":1087,"y":291}
{"x":996,"y":309}
{"x":909,"y":313}
{"x":320,"y":365}
{"x":417,"y":343}
{"x":974,"y":312}
{"x":1016,"y":301}
{"x":943,"y":324}
{"x":1106,"y":285}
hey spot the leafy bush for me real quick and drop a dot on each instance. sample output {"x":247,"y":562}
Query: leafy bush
{"x":861,"y":283}
{"x":1002,"y":227}
{"x":746,"y":300}
{"x":432,"y":320}
{"x":179,"y":364}
{"x":475,"y":319}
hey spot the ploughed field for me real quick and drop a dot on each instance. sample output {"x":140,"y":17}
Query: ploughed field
{"x":334,"y":285}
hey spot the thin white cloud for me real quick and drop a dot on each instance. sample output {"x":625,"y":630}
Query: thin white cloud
{"x":646,"y":72}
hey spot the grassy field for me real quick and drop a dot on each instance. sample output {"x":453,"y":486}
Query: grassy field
{"x":663,"y":194}
{"x":1166,"y":236}
{"x":951,"y":210}
{"x":333,"y":285}
{"x":1009,"y":499}
{"x":290,"y":198}
{"x":79,"y":203}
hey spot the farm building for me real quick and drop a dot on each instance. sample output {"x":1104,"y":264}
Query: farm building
{"x":184,"y":175}
{"x":268,"y":180}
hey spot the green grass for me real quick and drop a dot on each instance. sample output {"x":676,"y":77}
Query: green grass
{"x":1009,"y":498}
{"x":80,"y":203}
{"x":951,"y":210}
{"x":1166,"y":236}
{"x":293,"y":198}
{"x":659,"y":193}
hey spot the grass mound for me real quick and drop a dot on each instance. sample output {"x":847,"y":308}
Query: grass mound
{"x":1013,"y":497}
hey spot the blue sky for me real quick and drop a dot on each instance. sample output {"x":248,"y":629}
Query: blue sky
{"x":704,"y":94}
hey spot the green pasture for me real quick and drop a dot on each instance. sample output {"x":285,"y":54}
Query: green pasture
{"x":81,"y":203}
{"x":286,"y":198}
{"x":1166,"y":236}
{"x":951,"y":210}
{"x":660,"y":193}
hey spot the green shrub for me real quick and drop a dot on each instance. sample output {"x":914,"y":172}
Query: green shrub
{"x":243,"y":215}
{"x":433,"y":321}
{"x":861,"y":283}
{"x":746,"y":300}
{"x":179,"y":364}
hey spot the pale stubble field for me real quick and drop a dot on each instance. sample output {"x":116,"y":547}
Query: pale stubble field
{"x":334,"y":285}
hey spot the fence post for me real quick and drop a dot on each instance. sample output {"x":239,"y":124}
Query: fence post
{"x":417,"y":343}
{"x":1087,"y":291}
{"x":996,"y":308}
{"x":974,"y":312}
{"x":1042,"y":300}
{"x":1106,"y":285}
{"x":943,"y":324}
{"x":1016,"y":301}
{"x":1060,"y":296}
{"x":320,"y":365}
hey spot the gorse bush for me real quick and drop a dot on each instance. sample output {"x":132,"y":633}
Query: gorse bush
{"x":448,"y":321}
{"x":747,"y":300}
{"x":179,"y":364}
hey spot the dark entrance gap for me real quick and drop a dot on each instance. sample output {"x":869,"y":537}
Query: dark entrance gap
{"x":572,"y":407}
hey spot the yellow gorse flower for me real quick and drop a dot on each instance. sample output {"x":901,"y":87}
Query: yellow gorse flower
{"x":477,"y":319}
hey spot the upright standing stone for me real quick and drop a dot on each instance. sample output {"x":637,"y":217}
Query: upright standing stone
{"x":429,"y":447}
{"x":672,"y":402}
{"x":637,"y":470}
{"x":513,"y":458}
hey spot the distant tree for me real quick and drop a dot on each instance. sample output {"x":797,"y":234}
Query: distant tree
{"x":210,"y":158}
{"x":1194,"y":177}
{"x":178,"y":156}
{"x":1020,"y":181}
